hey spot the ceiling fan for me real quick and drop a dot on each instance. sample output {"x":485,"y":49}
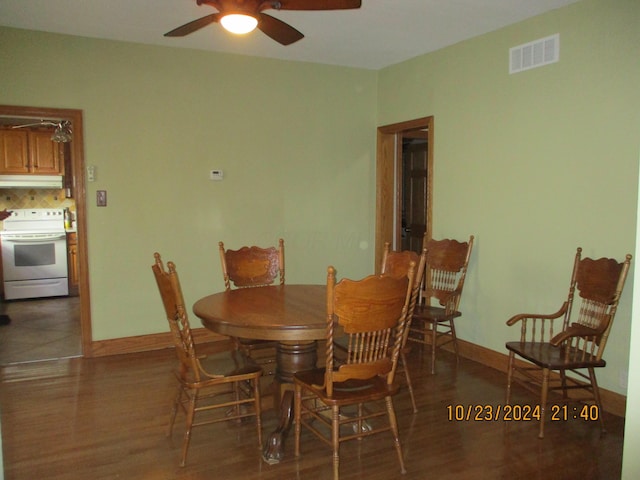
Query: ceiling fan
{"x":62,"y":134}
{"x":250,"y":14}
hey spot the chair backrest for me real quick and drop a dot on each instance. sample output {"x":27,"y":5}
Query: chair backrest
{"x":599,"y":284}
{"x":397,"y":264}
{"x":252,"y":266}
{"x":445,"y":271}
{"x":173,"y":301}
{"x":371,"y":312}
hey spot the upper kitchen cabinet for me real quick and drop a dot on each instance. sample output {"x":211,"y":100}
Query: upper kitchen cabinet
{"x":44,"y":154}
{"x":15,"y":151}
{"x":29,"y":152}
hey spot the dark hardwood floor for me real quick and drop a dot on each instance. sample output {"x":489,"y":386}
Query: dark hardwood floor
{"x":106,"y":418}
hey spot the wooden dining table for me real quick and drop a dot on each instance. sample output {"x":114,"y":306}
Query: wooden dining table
{"x":292,"y":315}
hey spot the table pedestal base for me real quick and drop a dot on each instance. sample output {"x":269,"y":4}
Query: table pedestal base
{"x":292,"y":357}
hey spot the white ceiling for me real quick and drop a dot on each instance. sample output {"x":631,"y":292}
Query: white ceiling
{"x":381,"y":33}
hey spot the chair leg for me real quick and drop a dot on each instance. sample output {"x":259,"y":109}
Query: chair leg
{"x":393,"y":423}
{"x":236,"y":345}
{"x":454,"y":339}
{"x":543,"y":400}
{"x":258,"y":409}
{"x":335,"y":439}
{"x":403,"y":360}
{"x":236,"y":398}
{"x":359,"y":424}
{"x":434,"y":340}
{"x":596,"y":396}
{"x":297,"y":407}
{"x":187,"y":434}
{"x":509,"y":377}
{"x":563,"y":383}
{"x":174,"y":410}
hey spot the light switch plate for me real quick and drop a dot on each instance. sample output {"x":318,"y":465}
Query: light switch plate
{"x":101,"y":198}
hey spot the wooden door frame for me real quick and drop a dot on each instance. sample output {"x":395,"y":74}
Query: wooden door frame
{"x":389,"y":180}
{"x":80,"y":195}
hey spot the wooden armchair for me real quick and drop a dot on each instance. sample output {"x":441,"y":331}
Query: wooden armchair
{"x":577,"y":343}
{"x":254,"y":267}
{"x":445,"y":273}
{"x":226,"y":382}
{"x":371,"y":313}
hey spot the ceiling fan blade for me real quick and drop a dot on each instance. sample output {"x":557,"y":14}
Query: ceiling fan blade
{"x":41,"y":123}
{"x":191,"y":27}
{"x":317,"y":4}
{"x":281,"y":32}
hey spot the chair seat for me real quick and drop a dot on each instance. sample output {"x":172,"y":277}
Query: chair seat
{"x":225,"y":366}
{"x":436,"y":314}
{"x":346,"y":393}
{"x":228,"y":364}
{"x":548,"y":356}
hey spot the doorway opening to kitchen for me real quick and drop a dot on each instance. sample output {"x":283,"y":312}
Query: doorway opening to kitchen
{"x":59,"y":325}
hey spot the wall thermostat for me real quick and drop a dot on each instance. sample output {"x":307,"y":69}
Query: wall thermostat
{"x":216,"y":175}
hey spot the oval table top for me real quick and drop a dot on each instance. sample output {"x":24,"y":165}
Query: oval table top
{"x":277,"y":312}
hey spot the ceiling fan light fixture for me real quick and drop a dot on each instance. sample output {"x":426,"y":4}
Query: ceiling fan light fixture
{"x":62,"y":133}
{"x":239,"y":23}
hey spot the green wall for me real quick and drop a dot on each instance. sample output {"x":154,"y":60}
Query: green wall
{"x":533,"y":164}
{"x":296,"y":142}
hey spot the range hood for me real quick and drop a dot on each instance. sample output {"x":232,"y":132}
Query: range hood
{"x":31,"y":181}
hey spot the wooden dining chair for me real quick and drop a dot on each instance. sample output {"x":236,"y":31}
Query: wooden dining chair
{"x":371,"y":313}
{"x":225,"y":386}
{"x":575,"y":345}
{"x":440,"y":294}
{"x":254,"y":267}
{"x":397,"y":263}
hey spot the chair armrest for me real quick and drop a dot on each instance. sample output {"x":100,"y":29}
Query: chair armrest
{"x":536,"y":327}
{"x":573,"y":331}
{"x":451,"y":301}
{"x":524,"y":316}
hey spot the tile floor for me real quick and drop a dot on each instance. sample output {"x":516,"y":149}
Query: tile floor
{"x":40,"y":329}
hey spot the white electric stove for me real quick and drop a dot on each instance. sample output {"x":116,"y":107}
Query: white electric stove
{"x":34,"y":254}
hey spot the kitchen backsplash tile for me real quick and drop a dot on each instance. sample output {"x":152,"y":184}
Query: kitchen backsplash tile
{"x":40,"y":198}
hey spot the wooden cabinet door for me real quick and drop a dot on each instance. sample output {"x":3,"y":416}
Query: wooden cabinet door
{"x":44,"y":154}
{"x":72,"y":259}
{"x":14,"y":152}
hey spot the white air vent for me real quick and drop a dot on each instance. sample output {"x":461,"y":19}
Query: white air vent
{"x":534,"y":54}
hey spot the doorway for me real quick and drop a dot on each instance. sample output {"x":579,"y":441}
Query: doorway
{"x":75,"y":150}
{"x":404,"y":185}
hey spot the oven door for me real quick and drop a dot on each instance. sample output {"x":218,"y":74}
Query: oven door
{"x":34,"y":256}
